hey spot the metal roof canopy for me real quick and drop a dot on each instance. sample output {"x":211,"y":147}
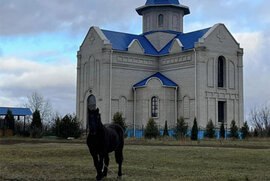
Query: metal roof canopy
{"x":16,"y":111}
{"x":163,"y":3}
{"x":154,"y":2}
{"x":164,"y":80}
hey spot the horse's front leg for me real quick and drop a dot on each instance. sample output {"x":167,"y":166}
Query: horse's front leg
{"x":101,"y":159}
{"x":106,"y":161}
{"x":98,"y":166}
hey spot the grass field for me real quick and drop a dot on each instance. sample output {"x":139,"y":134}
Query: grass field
{"x":143,"y":160}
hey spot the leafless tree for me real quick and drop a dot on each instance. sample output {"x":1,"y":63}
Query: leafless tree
{"x":36,"y":101}
{"x":260,"y":119}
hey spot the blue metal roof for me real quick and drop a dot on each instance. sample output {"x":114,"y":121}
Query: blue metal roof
{"x":165,"y":81}
{"x":188,"y":40}
{"x":16,"y":111}
{"x":154,"y":2}
{"x":158,"y":3}
{"x":121,"y":41}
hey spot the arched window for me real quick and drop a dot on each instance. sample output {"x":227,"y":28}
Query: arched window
{"x":221,"y":71}
{"x":160,"y":20}
{"x":154,"y":107}
{"x":91,"y":102}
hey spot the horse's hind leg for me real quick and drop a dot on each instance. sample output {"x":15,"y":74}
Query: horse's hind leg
{"x":119,"y":160}
{"x":106,"y":162}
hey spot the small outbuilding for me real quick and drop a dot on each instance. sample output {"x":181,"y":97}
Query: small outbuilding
{"x":18,"y":113}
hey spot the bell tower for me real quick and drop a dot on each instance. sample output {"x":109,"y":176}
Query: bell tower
{"x":162,"y":15}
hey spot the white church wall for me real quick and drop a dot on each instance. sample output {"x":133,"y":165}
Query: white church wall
{"x":208,"y":90}
{"x":180,"y":68}
{"x":93,"y":71}
{"x":166,"y":103}
{"x":169,"y":107}
{"x":129,"y":69}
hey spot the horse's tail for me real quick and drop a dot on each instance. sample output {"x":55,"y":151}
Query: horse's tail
{"x":120,"y":132}
{"x":119,"y":152}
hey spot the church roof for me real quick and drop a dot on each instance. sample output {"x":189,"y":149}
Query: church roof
{"x":154,"y":2}
{"x":121,"y":41}
{"x":158,"y":3}
{"x":16,"y":111}
{"x":165,"y":81}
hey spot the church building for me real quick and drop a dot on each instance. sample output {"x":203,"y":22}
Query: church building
{"x":163,"y":73}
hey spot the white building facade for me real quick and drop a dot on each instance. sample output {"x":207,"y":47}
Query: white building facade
{"x":162,"y":73}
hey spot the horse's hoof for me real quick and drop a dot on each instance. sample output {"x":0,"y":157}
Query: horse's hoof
{"x":98,"y":178}
{"x":119,"y":177}
{"x":104,"y":175}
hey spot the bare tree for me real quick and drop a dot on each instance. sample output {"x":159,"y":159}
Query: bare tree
{"x":260,"y":119}
{"x":37,"y":102}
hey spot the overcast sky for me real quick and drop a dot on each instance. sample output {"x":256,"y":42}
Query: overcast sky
{"x":39,"y":41}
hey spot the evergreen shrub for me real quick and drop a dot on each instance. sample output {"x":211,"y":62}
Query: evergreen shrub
{"x":181,"y":128}
{"x":233,"y":130}
{"x":194,"y":131}
{"x":166,"y":132}
{"x":36,"y":125}
{"x":151,"y":130}
{"x":210,"y":130}
{"x":118,"y":119}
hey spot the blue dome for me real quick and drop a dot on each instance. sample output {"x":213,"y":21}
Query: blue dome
{"x":155,"y":2}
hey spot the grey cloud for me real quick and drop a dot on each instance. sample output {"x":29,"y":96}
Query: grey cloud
{"x":55,"y":82}
{"x":36,"y":16}
{"x":63,"y":99}
{"x":239,"y":15}
{"x":256,"y":68}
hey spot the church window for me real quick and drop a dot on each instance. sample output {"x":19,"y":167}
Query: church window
{"x":221,"y":71}
{"x":154,"y":107}
{"x":160,"y":20}
{"x":221,"y":111}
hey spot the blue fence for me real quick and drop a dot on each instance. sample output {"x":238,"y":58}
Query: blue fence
{"x":139,"y":134}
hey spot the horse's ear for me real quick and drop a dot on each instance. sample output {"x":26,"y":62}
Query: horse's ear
{"x":97,"y":110}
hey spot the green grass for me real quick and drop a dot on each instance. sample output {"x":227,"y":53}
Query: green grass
{"x":249,"y":143}
{"x":65,"y":161}
{"x":255,"y":143}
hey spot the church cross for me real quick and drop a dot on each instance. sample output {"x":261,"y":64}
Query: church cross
{"x":91,"y":39}
{"x":221,"y":36}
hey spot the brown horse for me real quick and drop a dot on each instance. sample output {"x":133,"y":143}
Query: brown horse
{"x":102,"y":140}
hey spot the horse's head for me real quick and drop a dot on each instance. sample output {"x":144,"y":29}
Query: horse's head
{"x":94,"y":121}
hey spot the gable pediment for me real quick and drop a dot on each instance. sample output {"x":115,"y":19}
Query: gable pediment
{"x":219,"y":35}
{"x":159,"y":39}
{"x":135,"y":47}
{"x":176,"y":46}
{"x":94,"y":36}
